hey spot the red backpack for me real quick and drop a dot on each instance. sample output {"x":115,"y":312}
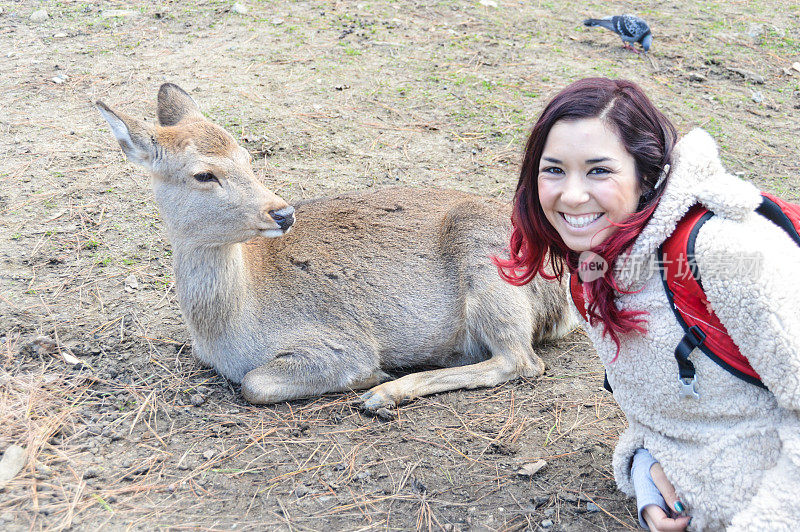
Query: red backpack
{"x":684,"y":287}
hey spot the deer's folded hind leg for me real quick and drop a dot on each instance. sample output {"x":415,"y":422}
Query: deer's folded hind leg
{"x":299,"y":373}
{"x":501,"y":367}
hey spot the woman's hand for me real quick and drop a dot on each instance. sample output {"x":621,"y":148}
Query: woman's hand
{"x":654,"y":516}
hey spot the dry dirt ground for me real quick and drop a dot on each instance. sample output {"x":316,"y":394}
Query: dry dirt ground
{"x":328,"y":97}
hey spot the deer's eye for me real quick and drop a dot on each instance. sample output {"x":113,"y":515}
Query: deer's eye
{"x":206,"y":177}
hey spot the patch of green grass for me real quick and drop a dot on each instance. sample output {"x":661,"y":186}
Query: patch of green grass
{"x":781,"y":42}
{"x":103,"y":503}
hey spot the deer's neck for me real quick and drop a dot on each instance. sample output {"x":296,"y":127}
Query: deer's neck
{"x":212,"y":286}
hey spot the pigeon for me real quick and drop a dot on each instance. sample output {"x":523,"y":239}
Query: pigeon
{"x":630,"y":27}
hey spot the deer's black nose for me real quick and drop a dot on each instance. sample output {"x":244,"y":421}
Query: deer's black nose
{"x":284,"y":217}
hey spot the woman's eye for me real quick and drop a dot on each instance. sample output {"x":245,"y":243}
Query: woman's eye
{"x":206,"y":177}
{"x":599,"y":171}
{"x":552,"y":170}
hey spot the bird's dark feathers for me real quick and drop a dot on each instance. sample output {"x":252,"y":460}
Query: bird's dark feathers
{"x":630,"y":27}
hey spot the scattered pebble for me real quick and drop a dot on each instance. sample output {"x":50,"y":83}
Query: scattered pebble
{"x":276,"y":21}
{"x":70,"y":359}
{"x":12,"y":463}
{"x":39,"y":346}
{"x":40,"y":15}
{"x":592,"y":507}
{"x":209,"y":454}
{"x":300,"y":491}
{"x":530,"y":469}
{"x":757,"y":96}
{"x":92,"y":472}
{"x":694,"y":76}
{"x":541,"y":500}
{"x":488,"y":3}
{"x":755,"y":31}
{"x":547,"y":523}
{"x":197,"y":399}
{"x":240,"y":9}
{"x":131,"y":283}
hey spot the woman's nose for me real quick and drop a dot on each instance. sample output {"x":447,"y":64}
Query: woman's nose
{"x":575,"y":191}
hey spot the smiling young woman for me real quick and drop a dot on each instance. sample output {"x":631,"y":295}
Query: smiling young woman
{"x":603,"y":171}
{"x":587,"y":182}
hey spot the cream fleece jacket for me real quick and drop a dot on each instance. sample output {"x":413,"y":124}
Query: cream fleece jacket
{"x":733,"y":454}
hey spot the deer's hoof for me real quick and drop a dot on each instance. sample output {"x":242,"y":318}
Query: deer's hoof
{"x":375,"y":400}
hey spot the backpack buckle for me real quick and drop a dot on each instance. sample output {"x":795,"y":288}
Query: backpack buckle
{"x":688,"y":388}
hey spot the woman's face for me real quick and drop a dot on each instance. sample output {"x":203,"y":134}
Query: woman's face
{"x":586,"y":179}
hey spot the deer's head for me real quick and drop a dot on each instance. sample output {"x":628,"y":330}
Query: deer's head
{"x":202,"y":179}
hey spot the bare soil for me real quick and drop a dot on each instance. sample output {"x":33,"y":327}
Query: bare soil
{"x":329,"y":97}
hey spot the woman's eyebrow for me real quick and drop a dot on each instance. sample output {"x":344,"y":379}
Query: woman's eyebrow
{"x":588,"y":161}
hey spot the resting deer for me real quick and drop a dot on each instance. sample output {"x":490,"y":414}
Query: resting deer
{"x":359,"y":285}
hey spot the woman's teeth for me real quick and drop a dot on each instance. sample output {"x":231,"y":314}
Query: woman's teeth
{"x":582,"y":220}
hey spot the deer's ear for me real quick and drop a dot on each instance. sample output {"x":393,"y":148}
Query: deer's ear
{"x":175,"y":104}
{"x":136,"y":138}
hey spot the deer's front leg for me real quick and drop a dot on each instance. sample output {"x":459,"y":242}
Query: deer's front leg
{"x":502,"y":366}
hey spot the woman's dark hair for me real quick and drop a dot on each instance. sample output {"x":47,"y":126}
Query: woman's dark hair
{"x":648,"y":136}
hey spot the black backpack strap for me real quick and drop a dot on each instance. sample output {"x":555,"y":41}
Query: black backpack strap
{"x":691,"y":339}
{"x":772,"y":212}
{"x":690,"y":258}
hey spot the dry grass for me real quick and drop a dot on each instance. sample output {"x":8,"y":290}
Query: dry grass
{"x":103,"y":451}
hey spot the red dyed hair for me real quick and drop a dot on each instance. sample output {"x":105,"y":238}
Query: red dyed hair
{"x":536,"y":247}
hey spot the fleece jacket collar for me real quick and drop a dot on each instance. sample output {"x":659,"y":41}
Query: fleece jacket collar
{"x":696,"y":176}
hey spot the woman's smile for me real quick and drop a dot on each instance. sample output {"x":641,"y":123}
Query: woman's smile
{"x":581,"y":221}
